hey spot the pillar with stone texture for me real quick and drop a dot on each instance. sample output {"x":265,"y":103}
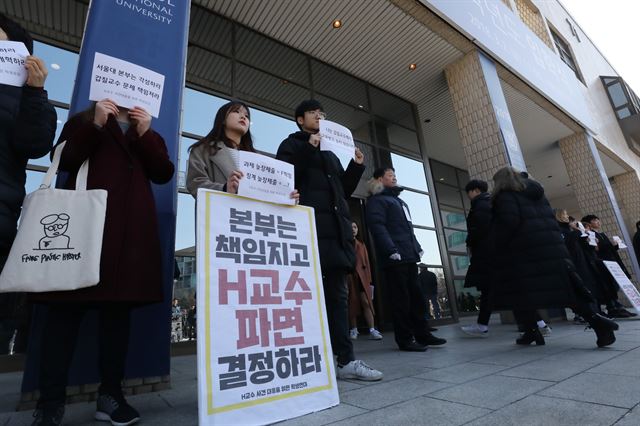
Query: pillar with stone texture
{"x":594,"y":192}
{"x":627,"y":190}
{"x":488,"y":139}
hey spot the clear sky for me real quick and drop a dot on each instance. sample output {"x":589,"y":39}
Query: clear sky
{"x":613,"y":26}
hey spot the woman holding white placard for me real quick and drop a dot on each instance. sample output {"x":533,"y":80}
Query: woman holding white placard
{"x":213,"y":160}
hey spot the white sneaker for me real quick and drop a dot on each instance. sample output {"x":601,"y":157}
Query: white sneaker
{"x":545,"y":331}
{"x":473,"y":330}
{"x":358,"y":370}
{"x":375,"y":335}
{"x":353,"y":334}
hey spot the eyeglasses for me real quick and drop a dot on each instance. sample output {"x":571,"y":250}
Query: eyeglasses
{"x":320,"y":114}
{"x":54,"y":227}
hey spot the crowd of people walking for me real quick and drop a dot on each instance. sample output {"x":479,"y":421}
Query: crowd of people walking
{"x":524,"y":256}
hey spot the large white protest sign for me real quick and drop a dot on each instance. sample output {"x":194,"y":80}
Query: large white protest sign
{"x":263,"y":343}
{"x":265,"y":178}
{"x":337,"y":139}
{"x":12,"y":60}
{"x":127,"y":84}
{"x":625,"y":283}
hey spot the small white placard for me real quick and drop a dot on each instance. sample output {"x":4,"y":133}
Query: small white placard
{"x":625,"y":283}
{"x":12,"y":60}
{"x":619,"y":242}
{"x":337,"y":139}
{"x":128,"y":85}
{"x":265,"y":178}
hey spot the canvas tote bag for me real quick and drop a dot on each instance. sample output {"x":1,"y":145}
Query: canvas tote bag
{"x":59,"y":238}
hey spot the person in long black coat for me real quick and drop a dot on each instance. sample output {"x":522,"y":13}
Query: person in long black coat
{"x":607,"y":250}
{"x":27,"y":129}
{"x":533,"y":268}
{"x":479,"y":272}
{"x":324,"y":185}
{"x":583,"y":257}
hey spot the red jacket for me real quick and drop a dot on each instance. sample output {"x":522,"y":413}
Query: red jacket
{"x":124,"y":165}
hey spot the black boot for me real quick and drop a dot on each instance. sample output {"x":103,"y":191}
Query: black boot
{"x":530,"y":336}
{"x":604,"y":329}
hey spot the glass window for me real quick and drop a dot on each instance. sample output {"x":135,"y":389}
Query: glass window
{"x":459,"y":264}
{"x":456,"y":240}
{"x":209,"y":69}
{"x":397,"y":137}
{"x":440,"y":306}
{"x":199,"y":110}
{"x":623,"y":113}
{"x":269,"y":55}
{"x":468,"y":299}
{"x":210,"y":31}
{"x":444,"y":173}
{"x":429,"y":243}
{"x":351,"y":117}
{"x":449,"y":195}
{"x":264,"y":89}
{"x":410,"y":173}
{"x":565,"y":53}
{"x":62,"y":118}
{"x":183,"y":160}
{"x":185,"y":222}
{"x":463,"y":178}
{"x":339,"y":85}
{"x":618,"y":98}
{"x":453,"y":218}
{"x":392,"y":108}
{"x":269,"y":130}
{"x":34,"y":179}
{"x":62,"y":66}
{"x":419,"y":208}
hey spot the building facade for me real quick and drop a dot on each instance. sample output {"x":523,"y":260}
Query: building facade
{"x":443,"y":91}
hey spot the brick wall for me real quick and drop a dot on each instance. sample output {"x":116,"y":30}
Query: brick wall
{"x":627,"y":187}
{"x":477,"y":126}
{"x":534,"y":21}
{"x":589,"y":188}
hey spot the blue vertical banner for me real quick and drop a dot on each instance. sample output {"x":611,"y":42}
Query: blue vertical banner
{"x":152,"y":34}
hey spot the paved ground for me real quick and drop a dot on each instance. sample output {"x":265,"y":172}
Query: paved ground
{"x":467,"y":382}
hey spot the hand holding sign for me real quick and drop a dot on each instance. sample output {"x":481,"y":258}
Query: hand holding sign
{"x":13,"y":67}
{"x":233,"y":182}
{"x":141,"y":119}
{"x":337,"y":139}
{"x":359,"y":156}
{"x":36,"y":71}
{"x":103,"y":109}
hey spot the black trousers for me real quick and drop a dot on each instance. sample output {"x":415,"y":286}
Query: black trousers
{"x":485,"y":309}
{"x":59,"y":341}
{"x":336,"y":295}
{"x":407,"y":303}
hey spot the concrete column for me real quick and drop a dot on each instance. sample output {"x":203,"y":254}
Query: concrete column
{"x":593,"y":190}
{"x":627,"y":190}
{"x":484,"y":125}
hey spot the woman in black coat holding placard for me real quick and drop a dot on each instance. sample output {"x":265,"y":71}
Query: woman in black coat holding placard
{"x":533,"y":268}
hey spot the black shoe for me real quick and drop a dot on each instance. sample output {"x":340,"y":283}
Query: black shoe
{"x":604,"y":328}
{"x":114,"y":409}
{"x":49,"y":416}
{"x":432,"y":329}
{"x":413,"y":347}
{"x":431,"y":340}
{"x":531,"y":336}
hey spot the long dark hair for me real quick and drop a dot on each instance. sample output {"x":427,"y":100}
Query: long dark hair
{"x":217,"y":133}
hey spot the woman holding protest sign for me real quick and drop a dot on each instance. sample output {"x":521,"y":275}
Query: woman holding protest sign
{"x":125,"y":156}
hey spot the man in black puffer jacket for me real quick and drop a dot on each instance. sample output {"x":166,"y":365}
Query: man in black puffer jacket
{"x":479,"y":272}
{"x":27,"y":128}
{"x":324,"y":185}
{"x":398,"y":251}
